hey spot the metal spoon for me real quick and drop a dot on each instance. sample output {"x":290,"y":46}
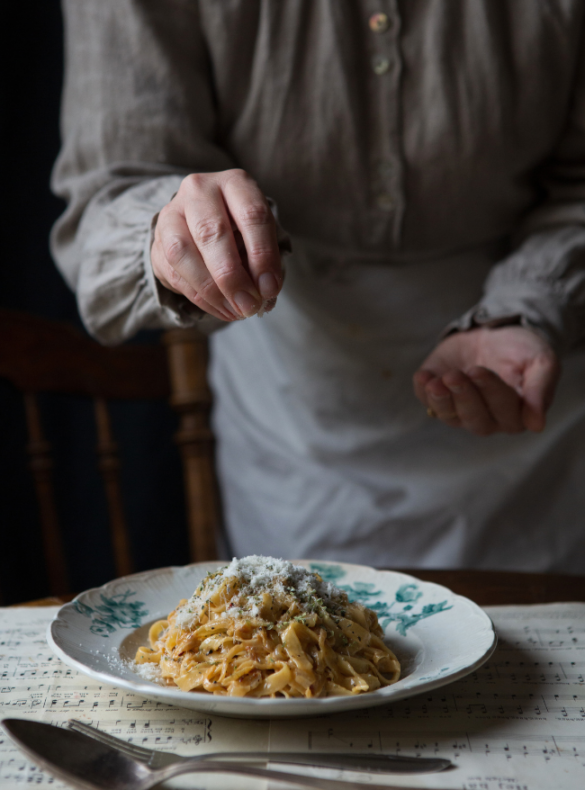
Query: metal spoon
{"x":90,"y":764}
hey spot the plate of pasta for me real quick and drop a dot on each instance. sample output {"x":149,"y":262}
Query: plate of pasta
{"x":266,"y":637}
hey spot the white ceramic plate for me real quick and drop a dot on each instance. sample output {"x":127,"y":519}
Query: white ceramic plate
{"x":438,"y":636}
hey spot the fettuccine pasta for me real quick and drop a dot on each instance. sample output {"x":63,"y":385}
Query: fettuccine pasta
{"x":262,"y":627}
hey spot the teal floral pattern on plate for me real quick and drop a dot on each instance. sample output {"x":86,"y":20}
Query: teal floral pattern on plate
{"x":364,"y":593}
{"x":114,"y":612}
{"x":329,"y":573}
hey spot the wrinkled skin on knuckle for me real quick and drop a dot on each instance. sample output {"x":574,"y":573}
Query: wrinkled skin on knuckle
{"x":210,"y":230}
{"x":175,"y":249}
{"x":180,"y":285}
{"x":255,"y":214}
{"x":261,"y":253}
{"x":198,"y":299}
{"x":193,"y":184}
{"x":223,"y":276}
{"x":237,"y":174}
{"x":209,"y":291}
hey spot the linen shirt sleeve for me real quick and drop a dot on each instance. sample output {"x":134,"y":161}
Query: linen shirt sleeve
{"x":541,"y":284}
{"x":138,"y":115}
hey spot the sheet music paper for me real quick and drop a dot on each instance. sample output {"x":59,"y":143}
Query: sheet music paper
{"x":518,"y":723}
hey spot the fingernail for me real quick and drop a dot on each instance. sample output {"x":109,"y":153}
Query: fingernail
{"x":246,"y":303}
{"x":455,"y":388}
{"x":268,"y":285}
{"x":230,"y":310}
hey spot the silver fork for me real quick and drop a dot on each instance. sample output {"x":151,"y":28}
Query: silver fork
{"x":151,"y":757}
{"x":378,"y":763}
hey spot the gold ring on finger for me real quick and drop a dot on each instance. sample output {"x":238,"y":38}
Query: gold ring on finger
{"x":431,"y":413}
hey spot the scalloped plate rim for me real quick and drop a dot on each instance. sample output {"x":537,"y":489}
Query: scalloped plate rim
{"x":266,"y":708}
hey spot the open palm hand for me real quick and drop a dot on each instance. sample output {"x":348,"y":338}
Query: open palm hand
{"x":490,"y":380}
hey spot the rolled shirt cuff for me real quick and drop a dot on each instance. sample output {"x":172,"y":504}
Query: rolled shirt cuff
{"x":522,"y":304}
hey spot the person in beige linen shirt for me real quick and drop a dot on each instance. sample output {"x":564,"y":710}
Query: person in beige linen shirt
{"x":427,"y":161}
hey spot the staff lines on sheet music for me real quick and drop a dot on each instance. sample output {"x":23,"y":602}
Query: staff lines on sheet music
{"x":518,"y":671}
{"x":442,"y":743}
{"x":20,"y":771}
{"x":76,"y":705}
{"x":156,"y":731}
{"x":171,"y":730}
{"x":59,"y":698}
{"x":540,"y":636}
{"x":486,"y":703}
{"x":530,"y":672}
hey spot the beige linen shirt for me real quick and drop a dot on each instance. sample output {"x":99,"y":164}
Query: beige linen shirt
{"x":455,"y":125}
{"x":427,"y":158}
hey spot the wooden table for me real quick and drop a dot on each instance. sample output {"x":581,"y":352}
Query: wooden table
{"x":486,"y":588}
{"x":494,"y":588}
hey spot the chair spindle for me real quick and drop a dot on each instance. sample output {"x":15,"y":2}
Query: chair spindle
{"x":109,"y":466}
{"x":41,"y":466}
{"x":191,"y":398}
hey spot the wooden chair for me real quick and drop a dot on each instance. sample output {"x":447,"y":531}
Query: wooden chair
{"x":37,"y":355}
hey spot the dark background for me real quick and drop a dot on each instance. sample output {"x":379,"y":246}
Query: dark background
{"x":151,"y":471}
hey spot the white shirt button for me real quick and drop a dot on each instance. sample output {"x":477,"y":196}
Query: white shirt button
{"x":380,"y":64}
{"x":379,"y":23}
{"x":385,"y":201}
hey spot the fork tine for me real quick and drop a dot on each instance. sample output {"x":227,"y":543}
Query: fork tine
{"x":138,"y":752}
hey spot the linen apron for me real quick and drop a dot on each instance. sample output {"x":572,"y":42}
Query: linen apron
{"x":324,"y":451}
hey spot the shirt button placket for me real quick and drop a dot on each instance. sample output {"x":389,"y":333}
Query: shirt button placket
{"x":385,"y":63}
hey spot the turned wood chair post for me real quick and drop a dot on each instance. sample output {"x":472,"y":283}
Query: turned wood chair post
{"x":41,"y":466}
{"x":38,"y":356}
{"x":109,"y":466}
{"x":188,"y":356}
